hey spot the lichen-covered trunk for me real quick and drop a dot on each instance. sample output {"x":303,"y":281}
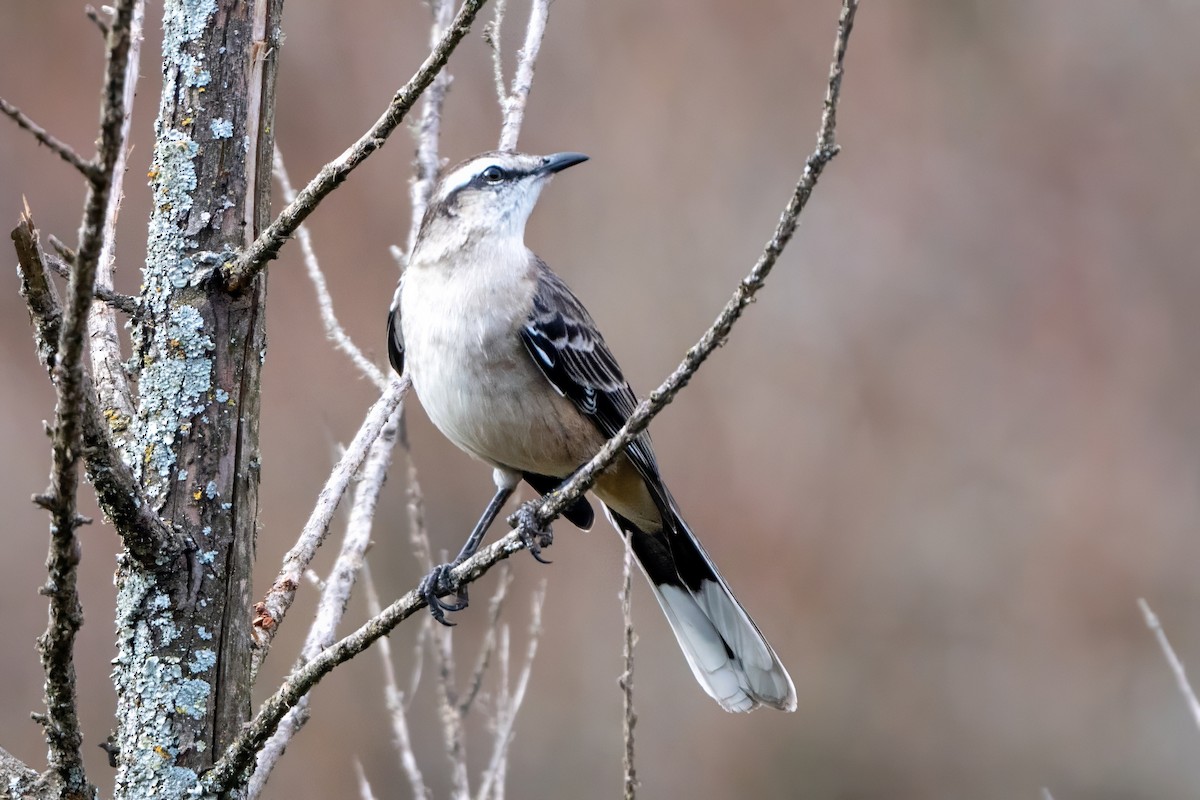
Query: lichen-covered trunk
{"x":182,"y":669}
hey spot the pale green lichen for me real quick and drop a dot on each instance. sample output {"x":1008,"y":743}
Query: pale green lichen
{"x":175,"y":377}
{"x":174,"y":383}
{"x":151,"y":691}
{"x":202,"y":661}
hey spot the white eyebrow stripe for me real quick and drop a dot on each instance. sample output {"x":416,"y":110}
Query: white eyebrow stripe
{"x":464,"y":175}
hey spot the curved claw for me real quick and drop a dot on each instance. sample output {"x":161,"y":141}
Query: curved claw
{"x":535,"y":540}
{"x":437,"y":583}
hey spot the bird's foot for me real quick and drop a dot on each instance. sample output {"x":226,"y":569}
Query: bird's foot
{"x":438,"y":583}
{"x":534,"y":533}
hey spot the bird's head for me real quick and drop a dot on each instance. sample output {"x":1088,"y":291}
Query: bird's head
{"x":488,"y":196}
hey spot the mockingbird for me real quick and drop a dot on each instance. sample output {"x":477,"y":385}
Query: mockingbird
{"x":509,"y":366}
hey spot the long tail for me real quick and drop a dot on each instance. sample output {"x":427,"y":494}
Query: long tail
{"x":729,"y":656}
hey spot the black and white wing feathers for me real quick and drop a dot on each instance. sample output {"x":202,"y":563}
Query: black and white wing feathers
{"x":564,"y":342}
{"x":395,"y":337}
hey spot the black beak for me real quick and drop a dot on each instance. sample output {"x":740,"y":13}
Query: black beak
{"x":560,"y":161}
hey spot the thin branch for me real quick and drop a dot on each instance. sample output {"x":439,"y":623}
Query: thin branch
{"x":395,"y":698}
{"x":56,"y":646}
{"x":491,"y":35}
{"x":57,"y":146}
{"x":45,"y":310}
{"x":428,"y":130}
{"x":535,"y":515}
{"x":238,"y":274}
{"x":513,"y":105}
{"x":270,"y":611}
{"x":626,"y":680}
{"x":101,"y":23}
{"x":1181,"y":679}
{"x":364,"y":786}
{"x":417,"y":533}
{"x":452,"y":723}
{"x":335,"y":594}
{"x":125,"y":303}
{"x":20,"y":780}
{"x":493,"y":777}
{"x":143,"y":532}
{"x":333,"y":328}
{"x":488,"y":647}
{"x":108,"y":367}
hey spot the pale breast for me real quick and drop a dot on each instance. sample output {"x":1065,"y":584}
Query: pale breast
{"x":475,"y":379}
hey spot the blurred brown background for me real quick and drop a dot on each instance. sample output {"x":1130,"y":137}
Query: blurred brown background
{"x":940,"y":459}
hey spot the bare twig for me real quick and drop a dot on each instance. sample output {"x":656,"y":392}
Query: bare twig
{"x":492,"y":783}
{"x":364,"y":786}
{"x":536,"y":514}
{"x":108,"y":369}
{"x":126,"y":304}
{"x":333,"y":329}
{"x":91,"y":13}
{"x":58,"y":147}
{"x":417,"y":533}
{"x":45,"y":310}
{"x":335,"y":596}
{"x":395,"y":698}
{"x":452,"y":723}
{"x":626,"y":681}
{"x":148,"y":539}
{"x":1181,"y":679}
{"x":513,"y":105}
{"x":488,"y":647}
{"x":56,"y":645}
{"x":238,"y":274}
{"x":269,"y":612}
{"x":429,"y":128}
{"x":491,"y":35}
{"x":20,"y":780}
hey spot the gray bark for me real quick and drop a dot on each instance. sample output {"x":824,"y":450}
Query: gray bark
{"x":183,"y":664}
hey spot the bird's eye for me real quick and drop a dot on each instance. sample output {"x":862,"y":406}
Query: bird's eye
{"x":494,"y":174}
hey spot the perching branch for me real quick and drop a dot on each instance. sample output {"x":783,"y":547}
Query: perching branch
{"x":534,"y":516}
{"x":237,"y":275}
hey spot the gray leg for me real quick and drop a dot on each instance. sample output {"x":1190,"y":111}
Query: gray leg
{"x":438,"y":582}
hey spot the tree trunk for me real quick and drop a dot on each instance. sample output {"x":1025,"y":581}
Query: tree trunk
{"x":182,"y":672}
